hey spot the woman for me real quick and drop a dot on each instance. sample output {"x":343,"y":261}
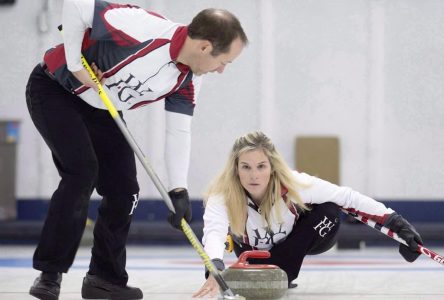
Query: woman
{"x":265,"y":205}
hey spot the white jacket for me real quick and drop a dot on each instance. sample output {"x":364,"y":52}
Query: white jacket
{"x":318,"y":191}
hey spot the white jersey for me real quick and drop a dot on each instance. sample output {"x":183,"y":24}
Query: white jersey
{"x":318,"y":191}
{"x":136,"y":50}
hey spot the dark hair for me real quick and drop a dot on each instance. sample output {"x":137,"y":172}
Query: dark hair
{"x":218,"y":26}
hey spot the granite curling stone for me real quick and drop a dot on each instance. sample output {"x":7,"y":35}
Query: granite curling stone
{"x":256,"y":281}
{"x":235,"y":297}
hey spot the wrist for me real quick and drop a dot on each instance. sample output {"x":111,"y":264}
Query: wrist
{"x":218,"y":263}
{"x":178,"y":193}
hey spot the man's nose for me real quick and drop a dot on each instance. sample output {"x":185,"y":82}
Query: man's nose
{"x":220,"y":70}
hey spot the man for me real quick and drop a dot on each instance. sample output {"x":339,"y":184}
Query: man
{"x":140,"y":57}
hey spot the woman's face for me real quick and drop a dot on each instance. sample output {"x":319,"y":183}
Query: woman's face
{"x":254,"y":173}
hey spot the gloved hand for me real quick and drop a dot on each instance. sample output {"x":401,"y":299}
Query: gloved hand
{"x":181,"y":203}
{"x":406,"y":231}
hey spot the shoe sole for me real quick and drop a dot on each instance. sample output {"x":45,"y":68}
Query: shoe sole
{"x":94,"y":293}
{"x":43,"y":294}
{"x":98,"y":293}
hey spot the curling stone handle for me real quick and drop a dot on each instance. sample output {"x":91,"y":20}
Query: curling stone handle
{"x":242,"y":261}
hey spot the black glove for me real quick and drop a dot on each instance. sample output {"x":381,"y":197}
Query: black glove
{"x":218,"y":263}
{"x":406,"y":231}
{"x":181,"y":203}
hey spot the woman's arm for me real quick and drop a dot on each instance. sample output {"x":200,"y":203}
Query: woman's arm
{"x":215,"y":234}
{"x":321,"y":191}
{"x":215,"y":229}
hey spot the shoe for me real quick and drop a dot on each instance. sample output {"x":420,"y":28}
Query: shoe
{"x":47,"y":286}
{"x":96,"y":288}
{"x":292,"y":285}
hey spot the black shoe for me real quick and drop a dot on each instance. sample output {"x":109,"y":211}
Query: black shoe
{"x":47,"y":286}
{"x":96,"y":288}
{"x":292,"y":285}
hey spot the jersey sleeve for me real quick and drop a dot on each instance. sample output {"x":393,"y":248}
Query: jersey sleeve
{"x":215,"y":227}
{"x":127,"y":24}
{"x":177,"y":149}
{"x":179,"y":108}
{"x":77,"y":16}
{"x":319,"y":191}
{"x":123,"y":24}
{"x":183,"y":100}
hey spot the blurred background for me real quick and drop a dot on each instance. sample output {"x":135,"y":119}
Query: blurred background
{"x":349,"y":90}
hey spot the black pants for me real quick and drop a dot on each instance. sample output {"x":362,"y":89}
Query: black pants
{"x":89,"y":152}
{"x":315,"y":232}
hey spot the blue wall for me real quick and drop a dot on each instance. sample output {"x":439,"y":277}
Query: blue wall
{"x":426,"y":211}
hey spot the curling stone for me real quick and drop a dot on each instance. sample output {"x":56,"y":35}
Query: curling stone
{"x":256,"y":281}
{"x":236,"y":297}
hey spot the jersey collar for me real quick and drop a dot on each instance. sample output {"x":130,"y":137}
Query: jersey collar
{"x":177,"y":42}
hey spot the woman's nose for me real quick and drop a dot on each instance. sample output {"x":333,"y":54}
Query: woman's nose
{"x":254,"y":174}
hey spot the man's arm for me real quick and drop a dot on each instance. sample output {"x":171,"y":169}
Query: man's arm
{"x":179,"y":111}
{"x":77,"y":16}
{"x":177,"y":155}
{"x":177,"y":149}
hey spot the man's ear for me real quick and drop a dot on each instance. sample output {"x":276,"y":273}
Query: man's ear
{"x":205,"y":46}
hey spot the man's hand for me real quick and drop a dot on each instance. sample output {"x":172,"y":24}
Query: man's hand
{"x":181,"y":203}
{"x":85,"y":78}
{"x":406,"y":231}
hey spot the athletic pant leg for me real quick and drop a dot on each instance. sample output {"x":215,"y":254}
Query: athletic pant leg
{"x":118,"y":185}
{"x":314,"y":233}
{"x":58,"y":116}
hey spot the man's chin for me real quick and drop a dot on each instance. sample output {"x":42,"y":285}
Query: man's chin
{"x":199,"y":72}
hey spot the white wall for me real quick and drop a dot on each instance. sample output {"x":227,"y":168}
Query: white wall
{"x":367,"y":71}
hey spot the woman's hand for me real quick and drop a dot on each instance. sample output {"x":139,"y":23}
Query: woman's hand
{"x":209,"y":289}
{"x":84,"y":77}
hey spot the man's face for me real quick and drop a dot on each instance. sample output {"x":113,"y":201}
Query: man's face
{"x":204,"y":62}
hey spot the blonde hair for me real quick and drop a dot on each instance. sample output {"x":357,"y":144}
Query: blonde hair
{"x":228,"y":185}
